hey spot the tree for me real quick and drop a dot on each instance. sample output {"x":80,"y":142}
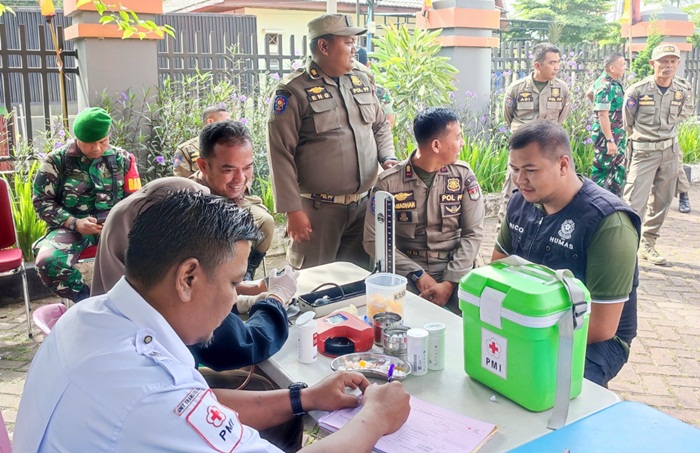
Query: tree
{"x":581,"y":20}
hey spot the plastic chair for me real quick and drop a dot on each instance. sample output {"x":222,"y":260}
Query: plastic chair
{"x":5,"y":445}
{"x":11,"y":260}
{"x":46,"y":316}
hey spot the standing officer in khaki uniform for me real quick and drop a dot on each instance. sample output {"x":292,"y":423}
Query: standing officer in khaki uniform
{"x":538,"y":96}
{"x":326,"y":132}
{"x":187,"y":153}
{"x":439,"y":210}
{"x":653,"y":107}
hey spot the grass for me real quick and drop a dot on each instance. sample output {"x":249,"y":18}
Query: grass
{"x":689,"y":140}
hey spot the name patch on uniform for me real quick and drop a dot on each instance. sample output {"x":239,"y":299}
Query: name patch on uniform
{"x":405,"y":216}
{"x":317,"y":94}
{"x":453,"y":185}
{"x":280,"y":104}
{"x":215,"y":423}
{"x":404,"y":206}
{"x":449,"y":210}
{"x":525,"y":96}
{"x":186,"y":401}
{"x":631,"y":103}
{"x":646,"y":100}
{"x":450,"y":198}
{"x":676,"y":103}
{"x":555,"y":99}
{"x":403,"y":196}
{"x":362,"y":89}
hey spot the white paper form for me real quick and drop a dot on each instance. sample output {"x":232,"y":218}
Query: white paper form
{"x":429,"y":429}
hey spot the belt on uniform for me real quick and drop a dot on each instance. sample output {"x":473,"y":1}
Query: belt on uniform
{"x":337,"y":199}
{"x":428,"y":253}
{"x":653,"y":146}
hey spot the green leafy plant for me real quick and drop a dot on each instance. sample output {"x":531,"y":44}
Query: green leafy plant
{"x":689,"y":140}
{"x":489,"y":162}
{"x":409,"y":67}
{"x":29,"y":226}
{"x":640,"y":67}
{"x":127,"y":20}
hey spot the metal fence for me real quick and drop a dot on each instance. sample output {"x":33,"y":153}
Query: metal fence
{"x":29,"y":75}
{"x":225,"y":45}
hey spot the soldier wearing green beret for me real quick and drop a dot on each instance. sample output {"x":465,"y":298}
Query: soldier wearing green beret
{"x":75,"y":188}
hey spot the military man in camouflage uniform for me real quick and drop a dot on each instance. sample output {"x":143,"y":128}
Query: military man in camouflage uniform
{"x":73,"y":191}
{"x":541,"y":95}
{"x":187,"y":153}
{"x":327,"y":132}
{"x":653,"y":107}
{"x":439,"y":210}
{"x":608,"y":133}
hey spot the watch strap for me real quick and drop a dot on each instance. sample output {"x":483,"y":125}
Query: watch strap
{"x":295,"y":398}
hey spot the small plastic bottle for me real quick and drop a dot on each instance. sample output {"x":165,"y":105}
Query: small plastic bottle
{"x":436,"y":345}
{"x":307,"y":342}
{"x":418,"y":351}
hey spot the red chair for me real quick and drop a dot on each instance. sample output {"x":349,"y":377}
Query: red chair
{"x":11,"y":260}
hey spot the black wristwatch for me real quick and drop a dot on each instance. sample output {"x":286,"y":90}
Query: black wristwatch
{"x":295,"y":397}
{"x":416,"y":275}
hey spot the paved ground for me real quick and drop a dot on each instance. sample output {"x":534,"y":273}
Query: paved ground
{"x":664,"y":368}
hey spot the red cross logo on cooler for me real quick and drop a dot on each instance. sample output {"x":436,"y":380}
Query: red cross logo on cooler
{"x":493,"y":347}
{"x":215,"y":416}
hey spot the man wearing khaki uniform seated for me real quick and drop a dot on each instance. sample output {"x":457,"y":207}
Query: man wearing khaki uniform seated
{"x":653,"y":107}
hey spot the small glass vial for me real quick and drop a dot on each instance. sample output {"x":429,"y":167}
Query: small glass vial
{"x":436,"y":345}
{"x":418,"y":350}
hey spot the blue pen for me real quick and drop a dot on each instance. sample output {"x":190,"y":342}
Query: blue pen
{"x":390,"y":374}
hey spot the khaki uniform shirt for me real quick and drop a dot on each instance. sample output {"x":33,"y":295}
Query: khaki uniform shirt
{"x":325,"y":137}
{"x":524,"y":104}
{"x":446,"y":217}
{"x":651,"y":116}
{"x":185,"y":158}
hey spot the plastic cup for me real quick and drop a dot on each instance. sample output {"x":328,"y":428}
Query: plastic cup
{"x":385,"y":293}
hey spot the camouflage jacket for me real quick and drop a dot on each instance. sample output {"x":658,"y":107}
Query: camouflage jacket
{"x":69,"y":184}
{"x":608,"y":95}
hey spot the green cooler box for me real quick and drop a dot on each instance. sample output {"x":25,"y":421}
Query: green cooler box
{"x":511,"y":332}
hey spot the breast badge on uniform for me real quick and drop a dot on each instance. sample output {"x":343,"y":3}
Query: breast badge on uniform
{"x":356,"y":81}
{"x":567,"y":229}
{"x":403,"y":196}
{"x":646,"y":100}
{"x":451,"y":210}
{"x":525,"y":96}
{"x":317,"y":94}
{"x":453,"y":185}
{"x":631,"y":103}
{"x":280,"y":104}
{"x":556,"y":92}
{"x":405,"y":216}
